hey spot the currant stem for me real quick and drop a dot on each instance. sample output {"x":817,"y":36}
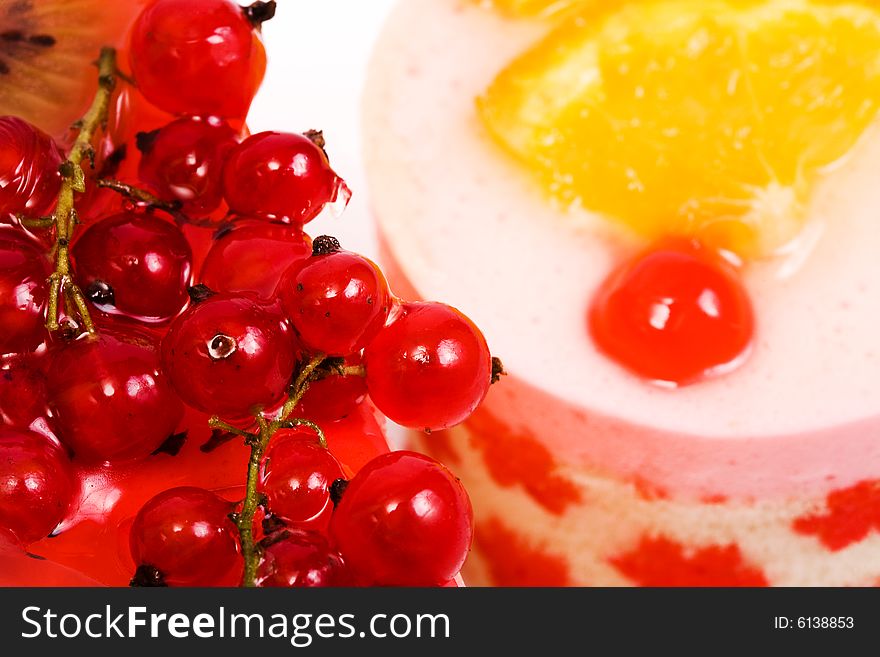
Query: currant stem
{"x":258,"y":444}
{"x":138,"y":195}
{"x":61,"y":283}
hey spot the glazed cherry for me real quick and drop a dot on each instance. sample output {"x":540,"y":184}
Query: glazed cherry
{"x":23,"y":395}
{"x":333,"y":397}
{"x":185,"y":534}
{"x":404,"y":520}
{"x":134,"y":264}
{"x":296,"y":558}
{"x":280,"y":176}
{"x":36,"y":484}
{"x":184,"y":162}
{"x":675,"y":314}
{"x":337,"y":301}
{"x":428,"y":369}
{"x":200,"y":58}
{"x":24,"y":269}
{"x":296,"y":477}
{"x":109,"y":396}
{"x":29,"y":161}
{"x":230,"y":356}
{"x":252,"y":256}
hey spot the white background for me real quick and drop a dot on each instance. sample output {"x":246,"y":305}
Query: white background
{"x":318,"y":51}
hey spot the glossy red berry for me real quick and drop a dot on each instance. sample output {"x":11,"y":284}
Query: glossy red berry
{"x":296,"y":477}
{"x":280,"y":176}
{"x":134,"y":264}
{"x":24,"y":293}
{"x":252,"y":256}
{"x":183,"y":161}
{"x":337,"y":302}
{"x":675,"y":314}
{"x":333,"y":397}
{"x":29,"y":161}
{"x":428,"y":369}
{"x":404,"y":520}
{"x":201,"y":58}
{"x":230,"y":356}
{"x":293,"y":558}
{"x":36,"y":484}
{"x":23,"y":395}
{"x":186,"y":535}
{"x":110,"y":398}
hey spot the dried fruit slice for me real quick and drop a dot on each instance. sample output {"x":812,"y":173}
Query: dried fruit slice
{"x":710,"y":118}
{"x":46,"y":51}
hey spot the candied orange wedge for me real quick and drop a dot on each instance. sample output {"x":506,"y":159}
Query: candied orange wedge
{"x":711,"y":118}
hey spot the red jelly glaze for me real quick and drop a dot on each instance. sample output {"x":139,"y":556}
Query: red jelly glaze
{"x":146,"y":262}
{"x":29,"y":177}
{"x":183,"y":161}
{"x":676,"y":313}
{"x":659,"y":561}
{"x":199,"y":58}
{"x":512,"y":561}
{"x":109,"y":396}
{"x":279,"y":176}
{"x":24,"y":293}
{"x":36,"y":484}
{"x":850,"y":515}
{"x":251,"y":256}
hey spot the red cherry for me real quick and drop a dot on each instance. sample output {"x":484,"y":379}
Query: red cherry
{"x":185,"y":533}
{"x":404,"y":520}
{"x":252,"y":256}
{"x":134,"y":264}
{"x":24,"y":269}
{"x":428,"y":369}
{"x":23,"y":395}
{"x":230,"y":356}
{"x":296,"y":477}
{"x":184,"y":162}
{"x":199,"y":58}
{"x":36,"y":484}
{"x":337,"y":302}
{"x":294,"y":558}
{"x":280,"y":176}
{"x":334,"y":397}
{"x":675,"y":314}
{"x":110,"y":397}
{"x":29,"y":161}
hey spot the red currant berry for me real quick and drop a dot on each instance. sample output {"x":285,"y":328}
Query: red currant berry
{"x":36,"y":484}
{"x":23,"y":396}
{"x":199,"y":58}
{"x":404,"y":520}
{"x":230,"y":356}
{"x":252,"y":256}
{"x":430,"y":368}
{"x":294,"y":558}
{"x":334,"y":397}
{"x":184,"y":162}
{"x":110,"y":398}
{"x":337,"y":302}
{"x":134,"y":264}
{"x":186,"y":535}
{"x":280,"y":176}
{"x":296,"y":478}
{"x":24,"y":269}
{"x":674,"y":314}
{"x":29,"y":161}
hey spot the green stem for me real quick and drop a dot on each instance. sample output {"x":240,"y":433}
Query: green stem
{"x":73,"y":180}
{"x":258,"y":443}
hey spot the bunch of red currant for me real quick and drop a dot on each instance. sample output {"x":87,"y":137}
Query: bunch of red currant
{"x":271,"y":337}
